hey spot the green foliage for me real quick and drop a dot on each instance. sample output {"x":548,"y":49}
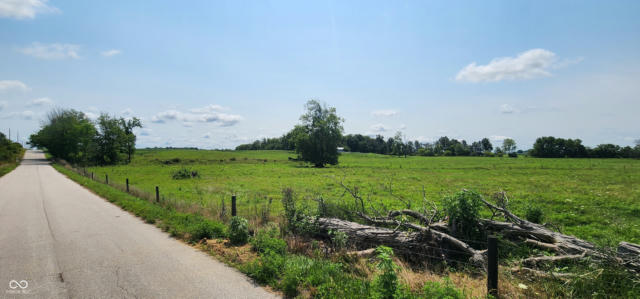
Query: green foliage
{"x":296,"y":220}
{"x":463,"y":210}
{"x":534,"y":214}
{"x":70,"y":135}
{"x":604,"y":280}
{"x":184,"y":173}
{"x":267,"y":239}
{"x":386,"y":282}
{"x":67,"y":134}
{"x":338,"y":239}
{"x":436,"y":290}
{"x":267,"y":268}
{"x":238,"y":230}
{"x":509,"y":145}
{"x":319,"y":134}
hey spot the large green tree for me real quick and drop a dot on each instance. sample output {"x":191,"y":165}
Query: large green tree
{"x":318,"y":134}
{"x":509,"y":145}
{"x":66,"y":134}
{"x":115,"y":140}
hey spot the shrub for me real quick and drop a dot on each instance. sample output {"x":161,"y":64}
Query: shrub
{"x":463,"y":209}
{"x":267,"y":239}
{"x":238,"y":230}
{"x":185,"y":173}
{"x":534,"y":214}
{"x":513,"y":155}
{"x":387,"y":282}
{"x":267,"y":268}
{"x":207,"y":230}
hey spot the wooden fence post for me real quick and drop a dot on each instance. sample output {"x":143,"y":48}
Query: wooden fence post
{"x":106,"y":179}
{"x":492,"y":266}
{"x":157,"y":194}
{"x":92,"y":175}
{"x":127,"y":185}
{"x":233,"y":206}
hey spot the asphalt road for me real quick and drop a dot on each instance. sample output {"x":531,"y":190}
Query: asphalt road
{"x":58,"y":240}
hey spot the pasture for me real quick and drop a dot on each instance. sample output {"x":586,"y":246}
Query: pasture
{"x":594,"y":199}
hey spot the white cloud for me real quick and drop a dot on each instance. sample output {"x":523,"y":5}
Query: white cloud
{"x":52,"y":51}
{"x":3,"y":104}
{"x":379,"y":128}
{"x":112,"y":52}
{"x":531,"y":64}
{"x":40,"y":102}
{"x":24,"y":9}
{"x":208,"y":114}
{"x":402,"y":127}
{"x":384,"y":112}
{"x":27,"y":114}
{"x":498,"y":137}
{"x":12,"y":84}
{"x":507,"y":109}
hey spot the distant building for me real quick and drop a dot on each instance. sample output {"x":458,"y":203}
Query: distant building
{"x":340,"y":149}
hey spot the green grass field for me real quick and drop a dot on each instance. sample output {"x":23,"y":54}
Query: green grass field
{"x":594,"y":199}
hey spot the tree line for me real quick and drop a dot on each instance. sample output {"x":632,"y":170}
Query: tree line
{"x":70,"y":135}
{"x":551,"y":147}
{"x":544,"y":147}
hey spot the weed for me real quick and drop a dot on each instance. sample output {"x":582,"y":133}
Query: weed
{"x":238,"y":230}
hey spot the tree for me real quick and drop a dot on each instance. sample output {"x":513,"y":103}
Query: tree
{"x":509,"y":145}
{"x":319,"y":134}
{"x":66,"y":134}
{"x":129,"y":139}
{"x":486,"y":145}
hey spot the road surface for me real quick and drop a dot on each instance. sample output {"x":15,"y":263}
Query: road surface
{"x":58,"y":240}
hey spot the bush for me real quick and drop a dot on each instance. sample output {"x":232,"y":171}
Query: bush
{"x":238,"y":230}
{"x":463,"y":209}
{"x":513,"y":155}
{"x":207,"y":230}
{"x":534,"y":214}
{"x":267,"y":239}
{"x":267,"y":268}
{"x":185,"y":173}
{"x":338,"y":239}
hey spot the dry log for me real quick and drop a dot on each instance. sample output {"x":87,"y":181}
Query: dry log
{"x":629,"y":253}
{"x":421,"y":245}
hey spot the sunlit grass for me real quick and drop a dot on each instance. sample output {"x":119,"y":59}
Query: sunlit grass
{"x":595,"y":199}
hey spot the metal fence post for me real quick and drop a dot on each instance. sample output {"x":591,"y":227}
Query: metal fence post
{"x":233,"y":206}
{"x":106,"y":179}
{"x":492,"y":266}
{"x":157,"y":194}
{"x":127,"y":185}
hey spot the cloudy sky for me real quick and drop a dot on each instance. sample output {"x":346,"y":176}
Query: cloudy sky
{"x":215,"y":74}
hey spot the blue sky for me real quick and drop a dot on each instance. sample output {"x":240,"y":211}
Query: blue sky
{"x":215,"y":74}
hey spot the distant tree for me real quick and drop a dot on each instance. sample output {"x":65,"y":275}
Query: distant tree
{"x":509,"y":145}
{"x":66,"y":134}
{"x":486,"y":145}
{"x":129,"y":139}
{"x":319,"y":134}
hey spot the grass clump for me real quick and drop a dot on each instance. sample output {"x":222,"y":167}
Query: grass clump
{"x":185,"y":173}
{"x":534,"y":214}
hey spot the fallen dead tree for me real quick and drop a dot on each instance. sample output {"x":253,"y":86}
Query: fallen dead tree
{"x":416,"y":236}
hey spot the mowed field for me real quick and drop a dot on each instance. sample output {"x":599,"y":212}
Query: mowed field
{"x":594,"y":199}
